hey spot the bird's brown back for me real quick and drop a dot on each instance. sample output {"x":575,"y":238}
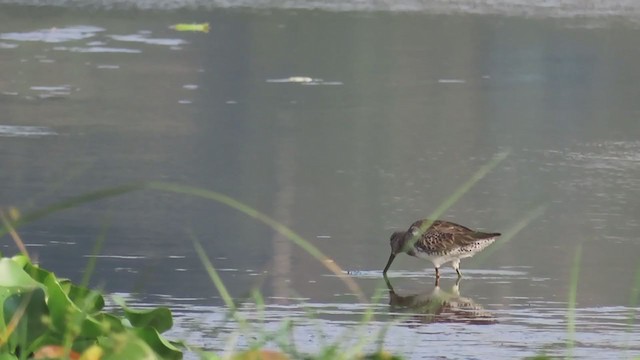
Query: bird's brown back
{"x":443,"y":236}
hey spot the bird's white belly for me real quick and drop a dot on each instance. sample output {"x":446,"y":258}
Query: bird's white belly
{"x":455,"y":254}
{"x":438,"y":260}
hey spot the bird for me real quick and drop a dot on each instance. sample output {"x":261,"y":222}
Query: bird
{"x":440,"y":242}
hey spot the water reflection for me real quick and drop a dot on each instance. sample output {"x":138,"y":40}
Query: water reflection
{"x":438,"y":305}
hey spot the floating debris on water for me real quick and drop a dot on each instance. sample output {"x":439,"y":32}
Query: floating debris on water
{"x":203,"y":27}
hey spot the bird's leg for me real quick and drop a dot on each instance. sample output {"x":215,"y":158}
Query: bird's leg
{"x":437,"y":273}
{"x":456,"y":266}
{"x":437,"y":282}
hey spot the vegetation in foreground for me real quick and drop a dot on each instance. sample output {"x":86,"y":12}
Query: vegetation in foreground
{"x":45,"y":317}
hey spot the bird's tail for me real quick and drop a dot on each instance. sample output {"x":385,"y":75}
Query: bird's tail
{"x":481,"y":235}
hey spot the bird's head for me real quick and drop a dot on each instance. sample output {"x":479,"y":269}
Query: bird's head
{"x":396,"y":241}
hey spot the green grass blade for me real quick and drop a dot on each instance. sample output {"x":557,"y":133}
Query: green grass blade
{"x":571,"y":306}
{"x":97,"y":248}
{"x":73,"y":202}
{"x":510,"y":233}
{"x":275,"y":225}
{"x":633,"y":302}
{"x":634,"y":296}
{"x":215,"y":277}
{"x":463,"y":189}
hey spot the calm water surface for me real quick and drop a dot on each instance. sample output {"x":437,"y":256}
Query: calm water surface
{"x":399,"y":110}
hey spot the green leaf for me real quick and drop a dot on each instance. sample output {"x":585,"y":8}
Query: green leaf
{"x":157,"y":318}
{"x":126,"y":346}
{"x":12,"y":275}
{"x":88,"y":300}
{"x":110,"y":323}
{"x":158,"y":343}
{"x":67,"y":316}
{"x":37,"y":273}
{"x":29,"y":308}
{"x":21,"y":260}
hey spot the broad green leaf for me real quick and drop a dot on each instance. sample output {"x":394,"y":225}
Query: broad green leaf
{"x":126,"y":346}
{"x":50,"y":312}
{"x":12,"y":275}
{"x":110,"y":323}
{"x":30,"y":309}
{"x":37,"y":273}
{"x":158,"y":343}
{"x":89,"y":300}
{"x":66,"y":316}
{"x":21,"y":260}
{"x":157,"y":318}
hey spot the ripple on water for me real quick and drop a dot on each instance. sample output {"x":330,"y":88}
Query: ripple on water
{"x":145,"y":39}
{"x":54,"y":35}
{"x":526,"y":329}
{"x":25,"y":131}
{"x":468,"y":273}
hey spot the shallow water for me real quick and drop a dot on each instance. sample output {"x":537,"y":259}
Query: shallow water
{"x":344,"y":126}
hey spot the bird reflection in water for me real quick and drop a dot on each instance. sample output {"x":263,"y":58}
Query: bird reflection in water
{"x":438,"y":305}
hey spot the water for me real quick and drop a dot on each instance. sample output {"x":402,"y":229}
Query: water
{"x":344,"y":126}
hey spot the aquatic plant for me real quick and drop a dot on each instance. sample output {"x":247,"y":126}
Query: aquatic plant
{"x":47,"y":317}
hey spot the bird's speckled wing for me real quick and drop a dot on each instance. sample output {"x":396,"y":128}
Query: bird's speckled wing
{"x":444,"y":236}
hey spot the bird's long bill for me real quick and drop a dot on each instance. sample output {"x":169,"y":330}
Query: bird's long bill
{"x":391,"y":257}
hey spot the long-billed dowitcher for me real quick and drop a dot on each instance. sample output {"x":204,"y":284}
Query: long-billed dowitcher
{"x":440,"y":243}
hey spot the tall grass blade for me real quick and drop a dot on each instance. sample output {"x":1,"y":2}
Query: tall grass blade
{"x":71,"y":203}
{"x":275,"y":225}
{"x":527,"y":219}
{"x":464,"y":188}
{"x":633,"y":302}
{"x":453,"y":198}
{"x":6,"y":223}
{"x":571,"y":306}
{"x":97,"y":248}
{"x":215,"y":277}
{"x":633,"y":297}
